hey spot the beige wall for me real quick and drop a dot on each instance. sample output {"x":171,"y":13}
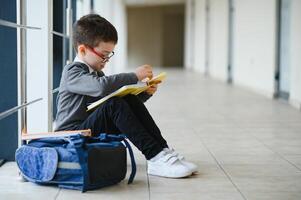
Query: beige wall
{"x":295,"y":45}
{"x":255,"y":45}
{"x":146,"y":34}
{"x":199,"y":42}
{"x":218,"y":39}
{"x":216,"y":53}
{"x":189,"y":34}
{"x":254,"y":25}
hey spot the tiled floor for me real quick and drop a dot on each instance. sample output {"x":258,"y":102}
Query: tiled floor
{"x":247,"y":147}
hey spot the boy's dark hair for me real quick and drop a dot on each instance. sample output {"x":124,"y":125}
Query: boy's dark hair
{"x":92,"y":29}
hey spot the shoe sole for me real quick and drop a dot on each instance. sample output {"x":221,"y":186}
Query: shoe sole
{"x":153,"y":173}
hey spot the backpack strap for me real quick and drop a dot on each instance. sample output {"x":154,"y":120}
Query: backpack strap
{"x":78,"y":142}
{"x":133,"y":163}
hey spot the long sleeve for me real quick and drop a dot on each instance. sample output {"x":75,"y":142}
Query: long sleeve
{"x":82,"y":82}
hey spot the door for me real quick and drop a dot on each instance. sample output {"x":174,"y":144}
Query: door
{"x":173,"y":39}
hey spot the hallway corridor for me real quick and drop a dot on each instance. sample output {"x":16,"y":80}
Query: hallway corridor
{"x":247,"y":147}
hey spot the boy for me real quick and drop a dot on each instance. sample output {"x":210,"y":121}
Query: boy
{"x":83,"y":82}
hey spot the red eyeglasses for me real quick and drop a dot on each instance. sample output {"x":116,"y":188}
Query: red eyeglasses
{"x":103,"y":57}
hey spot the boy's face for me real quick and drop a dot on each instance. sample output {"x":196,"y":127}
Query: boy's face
{"x":98,"y":56}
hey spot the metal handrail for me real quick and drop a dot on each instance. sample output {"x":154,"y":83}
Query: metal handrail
{"x":55,"y":90}
{"x":60,"y":34}
{"x":15,"y":109}
{"x":22,"y":28}
{"x":15,"y":25}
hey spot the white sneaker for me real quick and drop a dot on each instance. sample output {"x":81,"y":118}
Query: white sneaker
{"x":167,"y":165}
{"x":193,"y":167}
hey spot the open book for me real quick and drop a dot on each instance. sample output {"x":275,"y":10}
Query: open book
{"x":130,"y":89}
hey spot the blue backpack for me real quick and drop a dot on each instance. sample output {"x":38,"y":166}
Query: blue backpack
{"x":76,"y":162}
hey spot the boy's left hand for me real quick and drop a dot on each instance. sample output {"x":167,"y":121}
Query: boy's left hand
{"x":152,"y":89}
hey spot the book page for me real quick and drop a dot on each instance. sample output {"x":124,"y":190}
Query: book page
{"x":125,"y":90}
{"x":159,"y":78}
{"x":134,"y":89}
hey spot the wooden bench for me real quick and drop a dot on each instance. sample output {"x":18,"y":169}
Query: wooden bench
{"x":30,"y":136}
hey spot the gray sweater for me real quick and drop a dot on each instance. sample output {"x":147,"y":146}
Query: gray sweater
{"x":78,"y":88}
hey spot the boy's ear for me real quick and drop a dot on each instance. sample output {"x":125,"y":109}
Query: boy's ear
{"x":81,"y":49}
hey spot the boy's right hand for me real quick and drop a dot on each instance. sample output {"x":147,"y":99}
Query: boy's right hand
{"x":144,"y":71}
